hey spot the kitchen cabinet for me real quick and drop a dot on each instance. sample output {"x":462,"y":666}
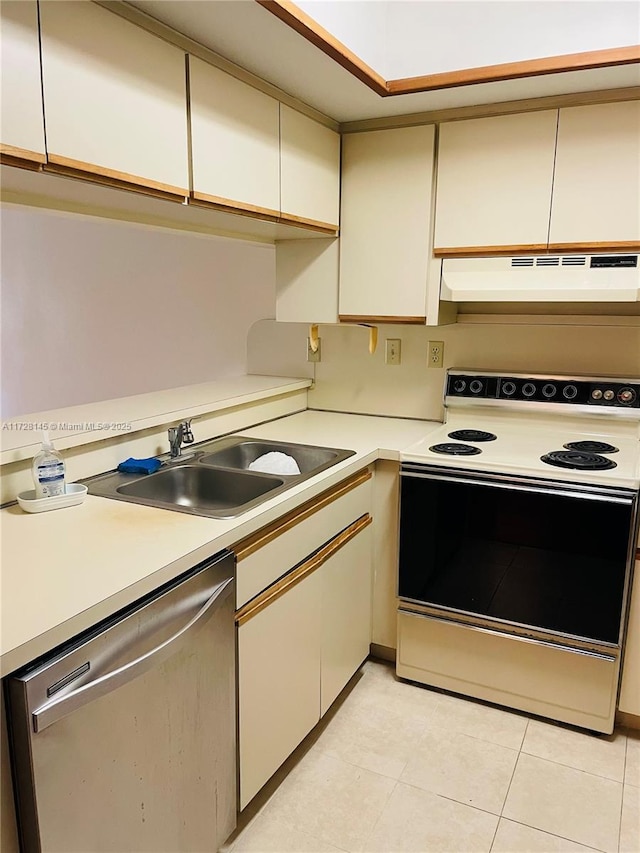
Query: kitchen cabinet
{"x":304,"y":625}
{"x":235,"y":142}
{"x":386,"y":505}
{"x":629,"y":701}
{"x":309,"y":170}
{"x":22,"y":124}
{"x":495,"y":178}
{"x":596,"y":186}
{"x":385,"y":226}
{"x":307,"y":274}
{"x":8,"y":828}
{"x":114,"y":100}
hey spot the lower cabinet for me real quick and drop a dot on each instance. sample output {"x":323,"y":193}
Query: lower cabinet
{"x":629,"y":701}
{"x":299,"y":642}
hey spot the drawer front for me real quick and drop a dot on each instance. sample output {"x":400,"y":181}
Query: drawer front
{"x":275,"y":550}
{"x":552,"y":681}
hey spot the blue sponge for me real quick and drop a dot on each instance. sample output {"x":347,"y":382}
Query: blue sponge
{"x":139,"y":466}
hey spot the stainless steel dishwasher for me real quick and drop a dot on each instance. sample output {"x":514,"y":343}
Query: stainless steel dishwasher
{"x":125,"y":738}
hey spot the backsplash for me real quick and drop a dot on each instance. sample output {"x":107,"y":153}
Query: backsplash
{"x":349,"y":379}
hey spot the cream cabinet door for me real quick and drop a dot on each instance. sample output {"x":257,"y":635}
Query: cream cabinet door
{"x":387,"y":178}
{"x":114,"y":98}
{"x":346,"y":615}
{"x":307,"y":274}
{"x":494,"y":182}
{"x":629,"y":701}
{"x":234,"y":141}
{"x":309,"y":169}
{"x":22,"y":125}
{"x":596,"y":188}
{"x":278,"y":682}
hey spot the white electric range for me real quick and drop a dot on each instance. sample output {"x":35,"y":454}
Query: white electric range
{"x":518,"y":529}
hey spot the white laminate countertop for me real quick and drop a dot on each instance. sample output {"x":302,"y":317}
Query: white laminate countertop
{"x":65,"y":570}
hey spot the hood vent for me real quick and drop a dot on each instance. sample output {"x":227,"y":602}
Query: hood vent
{"x":543,"y":278}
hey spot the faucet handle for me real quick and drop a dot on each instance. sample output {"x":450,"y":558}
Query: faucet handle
{"x":187,"y":434}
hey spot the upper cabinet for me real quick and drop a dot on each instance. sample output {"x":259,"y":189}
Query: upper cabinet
{"x":21,"y":125}
{"x":558,"y":180}
{"x":235,"y":143}
{"x":596,"y":188}
{"x":495,"y":177}
{"x":385,"y":252}
{"x":309,"y":170}
{"x":114,"y":99}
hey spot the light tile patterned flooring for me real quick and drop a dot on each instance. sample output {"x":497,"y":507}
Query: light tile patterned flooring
{"x":396,"y":767}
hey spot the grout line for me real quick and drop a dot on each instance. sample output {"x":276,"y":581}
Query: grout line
{"x":377,"y":820}
{"x":554,"y":835}
{"x":572,"y":767}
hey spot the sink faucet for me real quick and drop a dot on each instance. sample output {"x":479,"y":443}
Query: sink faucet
{"x":178,"y":436}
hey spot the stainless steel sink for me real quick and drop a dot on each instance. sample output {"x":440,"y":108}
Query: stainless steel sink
{"x":309,"y":458}
{"x":200,"y":489}
{"x":214,"y":479}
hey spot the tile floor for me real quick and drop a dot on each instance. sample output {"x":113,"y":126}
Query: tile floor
{"x":396,"y":767}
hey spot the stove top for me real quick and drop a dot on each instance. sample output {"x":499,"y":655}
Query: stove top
{"x":523,"y":434}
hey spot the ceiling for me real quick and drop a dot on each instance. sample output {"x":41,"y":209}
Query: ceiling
{"x":245,"y":33}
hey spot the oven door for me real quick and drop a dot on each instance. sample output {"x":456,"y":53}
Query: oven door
{"x":539,"y":558}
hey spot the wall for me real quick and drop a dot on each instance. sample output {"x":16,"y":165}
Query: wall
{"x":94,"y":309}
{"x":348,"y":379}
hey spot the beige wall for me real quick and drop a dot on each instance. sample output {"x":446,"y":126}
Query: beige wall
{"x":349,"y":379}
{"x":94,"y":309}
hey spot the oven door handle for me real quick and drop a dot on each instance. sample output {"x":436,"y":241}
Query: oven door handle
{"x":601,"y":495}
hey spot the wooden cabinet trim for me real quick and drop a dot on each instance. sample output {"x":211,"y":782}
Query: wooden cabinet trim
{"x":586,"y":248}
{"x":200,"y":199}
{"x":377,"y":318}
{"x":294,"y":577}
{"x":110,"y":177}
{"x":535,"y":249}
{"x":486,"y":251}
{"x":253,"y":543}
{"x":11,"y":152}
{"x":322,"y":227}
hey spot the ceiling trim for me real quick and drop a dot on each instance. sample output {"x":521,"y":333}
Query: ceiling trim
{"x":294,"y":17}
{"x":515,"y":70}
{"x":547,"y":102}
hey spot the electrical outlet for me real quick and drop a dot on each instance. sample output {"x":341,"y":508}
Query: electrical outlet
{"x":392,"y":349}
{"x":436,"y":354}
{"x":311,"y":355}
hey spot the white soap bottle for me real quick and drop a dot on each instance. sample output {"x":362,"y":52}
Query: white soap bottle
{"x":48,"y":470}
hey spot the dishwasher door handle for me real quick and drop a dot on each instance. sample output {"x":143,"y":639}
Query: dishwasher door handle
{"x":54,"y":711}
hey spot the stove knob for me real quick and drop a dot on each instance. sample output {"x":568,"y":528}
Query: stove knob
{"x":549,"y":390}
{"x":596,"y":394}
{"x":508,"y":388}
{"x":627,"y":396}
{"x":609,"y":394}
{"x":459,"y":385}
{"x":569,"y":392}
{"x":528,"y":389}
{"x":476,"y":386}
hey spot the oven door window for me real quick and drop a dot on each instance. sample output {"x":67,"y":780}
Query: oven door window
{"x":553,"y":562}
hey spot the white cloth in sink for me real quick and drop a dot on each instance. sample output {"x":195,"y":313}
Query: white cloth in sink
{"x":275,"y":463}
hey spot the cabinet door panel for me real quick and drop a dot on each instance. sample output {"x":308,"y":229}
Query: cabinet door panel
{"x":596,"y":189}
{"x":22,"y":122}
{"x":386,"y":222}
{"x":494,"y":181}
{"x":278,"y":682}
{"x":346,"y":615}
{"x":310,"y":168}
{"x":234,"y":139}
{"x":114,"y":96}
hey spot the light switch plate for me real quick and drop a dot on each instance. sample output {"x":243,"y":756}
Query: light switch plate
{"x":392,"y":351}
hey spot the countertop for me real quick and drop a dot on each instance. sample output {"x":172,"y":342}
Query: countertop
{"x":65,"y":570}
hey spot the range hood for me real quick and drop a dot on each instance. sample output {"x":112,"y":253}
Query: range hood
{"x":542,"y":278}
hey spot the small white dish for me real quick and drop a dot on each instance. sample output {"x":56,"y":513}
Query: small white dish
{"x":74,"y":494}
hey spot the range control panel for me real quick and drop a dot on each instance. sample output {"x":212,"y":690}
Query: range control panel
{"x":618,"y":393}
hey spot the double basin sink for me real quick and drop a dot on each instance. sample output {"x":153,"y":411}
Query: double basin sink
{"x":214,"y":479}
